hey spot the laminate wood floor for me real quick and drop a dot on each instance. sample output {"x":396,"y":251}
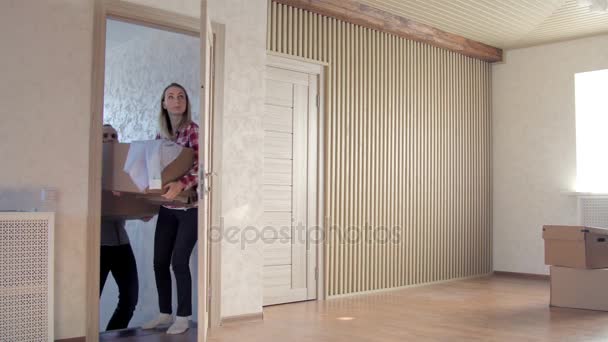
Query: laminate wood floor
{"x":496,"y":308}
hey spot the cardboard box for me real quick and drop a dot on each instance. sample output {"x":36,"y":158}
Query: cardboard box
{"x":576,"y":246}
{"x":126,"y":206}
{"x":114,"y":178}
{"x":579,"y":288}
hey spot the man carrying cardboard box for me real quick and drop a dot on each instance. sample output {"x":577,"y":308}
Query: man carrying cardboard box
{"x":116,"y":256}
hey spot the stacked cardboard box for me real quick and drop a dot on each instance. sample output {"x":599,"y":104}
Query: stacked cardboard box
{"x":578,"y":257}
{"x":133,"y":203}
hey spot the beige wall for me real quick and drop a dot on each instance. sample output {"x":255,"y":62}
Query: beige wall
{"x":191,"y":8}
{"x":534,"y":146}
{"x":242,"y":160}
{"x":44,"y":132}
{"x":407,"y":178}
{"x":45,"y":95}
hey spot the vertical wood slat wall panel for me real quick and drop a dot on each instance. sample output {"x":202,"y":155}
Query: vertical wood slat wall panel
{"x":407,"y":145}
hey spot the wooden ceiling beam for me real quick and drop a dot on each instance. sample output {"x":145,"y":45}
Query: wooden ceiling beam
{"x":364,"y":15}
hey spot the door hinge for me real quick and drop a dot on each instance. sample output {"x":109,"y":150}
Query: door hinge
{"x":318,"y":100}
{"x":316,"y":273}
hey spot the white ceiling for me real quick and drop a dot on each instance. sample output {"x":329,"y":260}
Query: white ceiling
{"x":502,"y":23}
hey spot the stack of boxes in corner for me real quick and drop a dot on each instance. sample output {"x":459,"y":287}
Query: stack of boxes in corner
{"x":579,"y":266}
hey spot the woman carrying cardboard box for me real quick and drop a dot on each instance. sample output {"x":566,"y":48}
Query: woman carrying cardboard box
{"x":176,"y":227}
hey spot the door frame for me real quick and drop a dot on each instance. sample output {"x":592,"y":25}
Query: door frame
{"x":311,"y":66}
{"x":218,"y":114}
{"x":155,"y":18}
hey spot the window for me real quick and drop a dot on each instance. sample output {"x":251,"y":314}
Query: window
{"x":591,"y":96}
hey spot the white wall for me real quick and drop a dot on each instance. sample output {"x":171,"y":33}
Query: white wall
{"x":140,"y":63}
{"x":242,"y":160}
{"x":44,"y":131}
{"x":534,"y":152}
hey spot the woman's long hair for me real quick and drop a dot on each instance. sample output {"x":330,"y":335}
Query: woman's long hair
{"x":164,"y":122}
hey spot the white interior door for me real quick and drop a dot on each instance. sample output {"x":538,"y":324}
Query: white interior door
{"x":289,"y":175}
{"x":205,"y":172}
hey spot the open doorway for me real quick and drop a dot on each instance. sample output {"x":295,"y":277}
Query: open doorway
{"x":205,"y":310}
{"x":140,"y":61}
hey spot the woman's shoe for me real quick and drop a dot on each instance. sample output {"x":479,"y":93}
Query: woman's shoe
{"x":162,"y":319}
{"x":179,"y":326}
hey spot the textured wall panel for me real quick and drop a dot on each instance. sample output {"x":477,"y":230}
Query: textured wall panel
{"x":407,"y":177}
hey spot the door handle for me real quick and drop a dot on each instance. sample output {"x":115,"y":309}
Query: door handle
{"x":204,"y":178}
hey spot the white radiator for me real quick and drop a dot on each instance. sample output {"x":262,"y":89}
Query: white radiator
{"x":26,"y":276}
{"x":593,"y":211}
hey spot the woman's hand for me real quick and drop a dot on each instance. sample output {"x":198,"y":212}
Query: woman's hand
{"x":172,"y":190}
